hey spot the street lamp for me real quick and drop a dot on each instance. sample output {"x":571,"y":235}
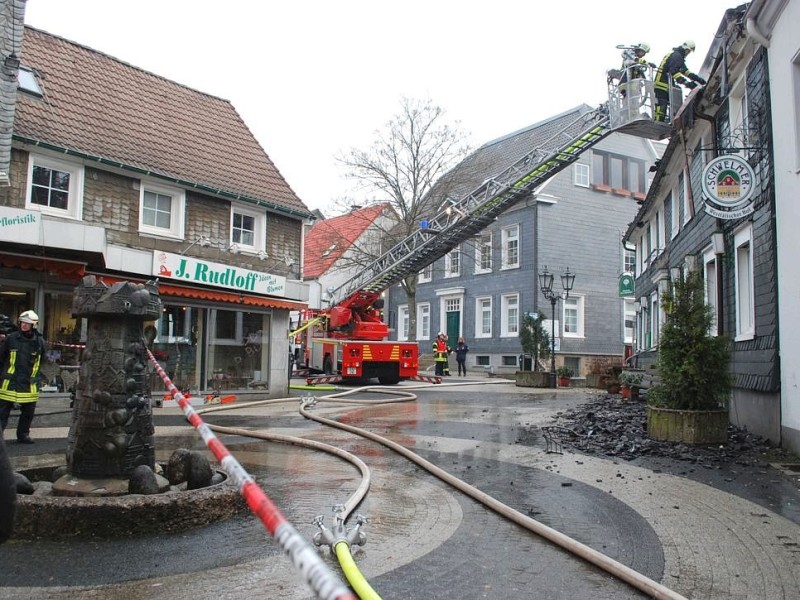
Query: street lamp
{"x":546,"y":285}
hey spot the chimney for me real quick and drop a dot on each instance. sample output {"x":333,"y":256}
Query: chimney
{"x":12,"y":20}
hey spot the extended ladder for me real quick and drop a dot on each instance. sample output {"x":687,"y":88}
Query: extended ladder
{"x":461,"y":220}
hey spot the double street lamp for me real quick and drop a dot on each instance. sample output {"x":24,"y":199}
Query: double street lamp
{"x":546,"y":285}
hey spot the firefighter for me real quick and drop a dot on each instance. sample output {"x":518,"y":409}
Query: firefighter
{"x":21,"y":354}
{"x":440,"y":355}
{"x":633,"y":65}
{"x":674,"y":66}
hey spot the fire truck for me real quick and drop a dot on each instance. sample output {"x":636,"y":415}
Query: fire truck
{"x":348,"y":340}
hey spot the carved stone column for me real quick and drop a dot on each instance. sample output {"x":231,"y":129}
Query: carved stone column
{"x":112,"y":421}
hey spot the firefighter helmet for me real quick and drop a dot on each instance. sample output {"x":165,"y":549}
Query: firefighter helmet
{"x":643,"y":47}
{"x":688,"y":45}
{"x":29,"y":317}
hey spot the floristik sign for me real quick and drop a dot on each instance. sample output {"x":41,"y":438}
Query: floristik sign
{"x":193,"y":270}
{"x":728,"y":187}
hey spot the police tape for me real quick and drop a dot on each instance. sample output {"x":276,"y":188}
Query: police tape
{"x":305,"y":559}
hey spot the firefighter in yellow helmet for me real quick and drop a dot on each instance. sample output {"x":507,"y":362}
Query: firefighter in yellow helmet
{"x":674,"y":66}
{"x":21,"y":354}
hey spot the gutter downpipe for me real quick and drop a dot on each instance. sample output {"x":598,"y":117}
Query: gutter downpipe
{"x":752,"y":27}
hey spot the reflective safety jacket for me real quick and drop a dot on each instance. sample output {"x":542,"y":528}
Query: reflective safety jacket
{"x":674,"y":65}
{"x":20,"y":357}
{"x":439,"y":350}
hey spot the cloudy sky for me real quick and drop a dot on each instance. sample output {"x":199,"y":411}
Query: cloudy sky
{"x":317,"y":77}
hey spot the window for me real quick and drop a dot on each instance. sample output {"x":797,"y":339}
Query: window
{"x":510,"y":238}
{"x":796,"y":103}
{"x":483,"y":253}
{"x":618,"y":172}
{"x":711,"y":277}
{"x":509,"y":321}
{"x":675,"y":213}
{"x":628,"y":320}
{"x":161,"y":210}
{"x":655,"y":316}
{"x":582,"y":175}
{"x":483,"y":317}
{"x":248,"y":229}
{"x":402,"y":322}
{"x":629,"y":260}
{"x":482,"y":360}
{"x":745,"y":312}
{"x":56,"y":187}
{"x":426,"y":274}
{"x":423,"y":321}
{"x":661,"y":236}
{"x":452,"y":263}
{"x":573,"y":317}
{"x":508,"y":361}
{"x":647,"y":246}
{"x":26,"y":79}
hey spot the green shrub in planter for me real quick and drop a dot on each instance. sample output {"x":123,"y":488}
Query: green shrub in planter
{"x":692,"y":365}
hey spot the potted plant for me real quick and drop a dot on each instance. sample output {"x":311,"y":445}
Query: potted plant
{"x":535,"y":343}
{"x":564,"y":374}
{"x":612,"y":379}
{"x":690,"y":402}
{"x":629,"y":384}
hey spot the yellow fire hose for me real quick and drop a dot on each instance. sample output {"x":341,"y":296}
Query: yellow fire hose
{"x":354,"y":577}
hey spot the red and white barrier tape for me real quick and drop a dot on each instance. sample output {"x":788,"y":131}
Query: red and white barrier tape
{"x":305,"y":559}
{"x":81,"y":346}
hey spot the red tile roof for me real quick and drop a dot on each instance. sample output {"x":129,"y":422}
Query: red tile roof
{"x":105,"y":109}
{"x":329,"y":239}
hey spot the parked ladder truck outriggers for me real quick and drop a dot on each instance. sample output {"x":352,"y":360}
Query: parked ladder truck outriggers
{"x":347,"y":341}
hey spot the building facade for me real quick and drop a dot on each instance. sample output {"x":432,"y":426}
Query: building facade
{"x":116,"y":172}
{"x":575,"y":220}
{"x":713,"y":207}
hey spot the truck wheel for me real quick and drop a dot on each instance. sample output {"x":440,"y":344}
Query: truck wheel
{"x":327,"y":365}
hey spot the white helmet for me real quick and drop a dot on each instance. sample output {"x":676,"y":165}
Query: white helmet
{"x":643,"y":47}
{"x":688,"y":45}
{"x":29,"y":317}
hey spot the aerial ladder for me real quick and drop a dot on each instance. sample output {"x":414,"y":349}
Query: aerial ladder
{"x":347,"y":341}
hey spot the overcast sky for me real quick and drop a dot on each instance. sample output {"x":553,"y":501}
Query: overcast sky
{"x":311,"y":78}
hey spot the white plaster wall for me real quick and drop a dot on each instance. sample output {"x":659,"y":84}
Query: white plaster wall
{"x":783,"y":50}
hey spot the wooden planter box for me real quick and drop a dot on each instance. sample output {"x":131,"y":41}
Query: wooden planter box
{"x":539,"y":379}
{"x":688,"y":426}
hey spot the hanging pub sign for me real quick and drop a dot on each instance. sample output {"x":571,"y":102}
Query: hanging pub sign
{"x":626,"y":285}
{"x":728,"y":187}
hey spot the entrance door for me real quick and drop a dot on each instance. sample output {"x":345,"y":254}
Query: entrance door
{"x":453,"y":331}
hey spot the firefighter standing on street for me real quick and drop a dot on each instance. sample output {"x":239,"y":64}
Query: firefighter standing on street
{"x":440,"y":351}
{"x":674,"y":67}
{"x":21,"y":354}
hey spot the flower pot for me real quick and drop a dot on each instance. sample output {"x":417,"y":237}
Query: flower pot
{"x":563,"y":381}
{"x":626,"y":392}
{"x":687,"y":426}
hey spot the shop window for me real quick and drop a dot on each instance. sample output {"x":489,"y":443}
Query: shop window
{"x":236,"y":356}
{"x":175,"y":346}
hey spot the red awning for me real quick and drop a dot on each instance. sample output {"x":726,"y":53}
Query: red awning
{"x":179,"y":291}
{"x":65,"y":269}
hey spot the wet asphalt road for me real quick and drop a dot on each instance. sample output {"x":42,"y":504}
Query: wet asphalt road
{"x":425,"y":540}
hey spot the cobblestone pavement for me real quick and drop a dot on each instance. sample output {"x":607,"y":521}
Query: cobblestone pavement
{"x":709,"y":539}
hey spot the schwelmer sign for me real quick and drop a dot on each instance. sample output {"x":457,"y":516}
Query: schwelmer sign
{"x":193,"y":270}
{"x":728,"y":185}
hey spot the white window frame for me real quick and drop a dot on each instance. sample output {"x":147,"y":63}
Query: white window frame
{"x":655,"y":320}
{"x":683,"y":178}
{"x":628,"y":259}
{"x":177,"y":210}
{"x":483,"y":308}
{"x":259,"y":229}
{"x":74,"y":208}
{"x":710,"y":279}
{"x":582,"y":175}
{"x":743,"y":286}
{"x":482,"y":248}
{"x":423,"y":321}
{"x":575,"y":303}
{"x":675,"y":226}
{"x":509,"y":315}
{"x":452,"y":263}
{"x":402,"y":322}
{"x":510,"y":235}
{"x":426,"y":275}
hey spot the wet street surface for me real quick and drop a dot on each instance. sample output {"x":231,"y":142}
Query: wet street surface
{"x":721,"y":532}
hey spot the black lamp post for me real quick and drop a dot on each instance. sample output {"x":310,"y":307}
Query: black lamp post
{"x":546,"y":285}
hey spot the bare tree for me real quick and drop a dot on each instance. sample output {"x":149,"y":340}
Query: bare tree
{"x":407,"y":166}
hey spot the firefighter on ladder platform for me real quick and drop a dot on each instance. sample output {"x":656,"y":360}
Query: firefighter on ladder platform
{"x":673,"y":70}
{"x":440,"y":351}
